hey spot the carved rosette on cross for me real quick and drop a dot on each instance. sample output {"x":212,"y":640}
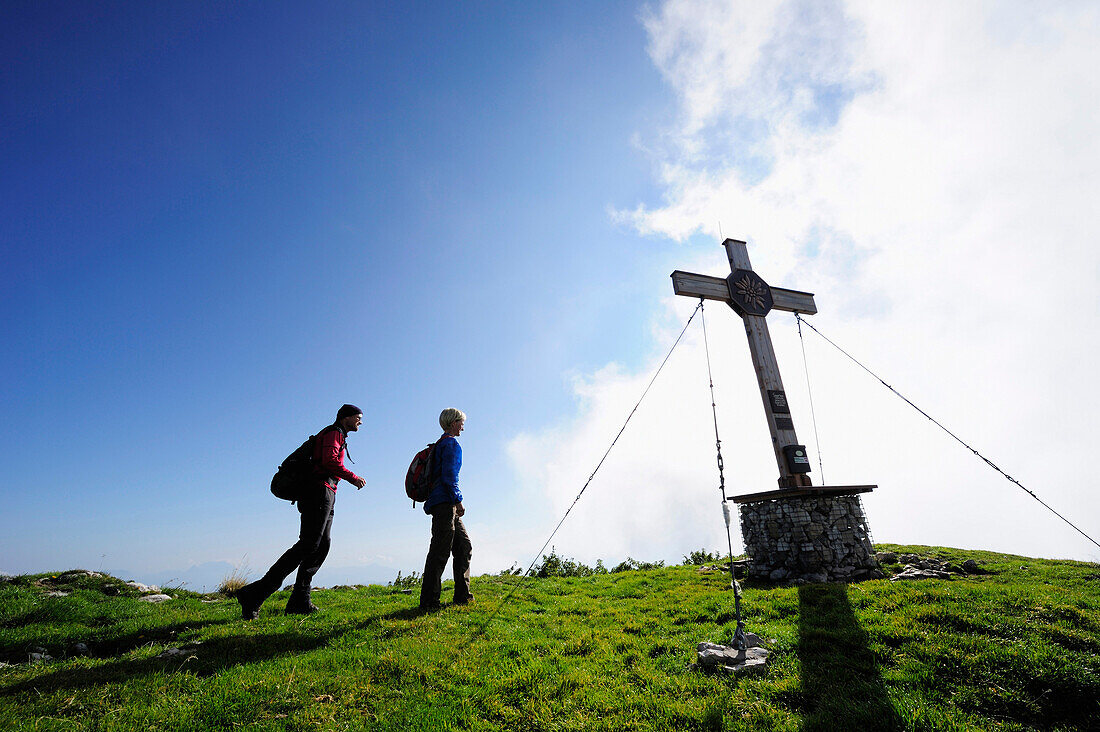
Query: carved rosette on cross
{"x":749,"y":293}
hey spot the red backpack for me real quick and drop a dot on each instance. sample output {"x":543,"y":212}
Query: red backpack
{"x":418,"y":481}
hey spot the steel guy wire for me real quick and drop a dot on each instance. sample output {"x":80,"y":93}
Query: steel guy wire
{"x":983,"y":458}
{"x":527,"y":574}
{"x":809,"y":391}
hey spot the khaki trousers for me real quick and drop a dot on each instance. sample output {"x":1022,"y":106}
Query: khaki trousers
{"x":449,"y":539}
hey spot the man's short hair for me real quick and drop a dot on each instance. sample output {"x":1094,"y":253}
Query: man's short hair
{"x":449,"y":416}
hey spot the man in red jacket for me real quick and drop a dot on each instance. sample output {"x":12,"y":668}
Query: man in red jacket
{"x":316,"y":507}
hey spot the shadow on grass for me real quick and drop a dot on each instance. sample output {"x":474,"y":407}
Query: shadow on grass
{"x":108,"y":643}
{"x":206,"y":659}
{"x":408,"y":613}
{"x":841,"y":685}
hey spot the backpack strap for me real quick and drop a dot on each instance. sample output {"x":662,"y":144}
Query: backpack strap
{"x":431,"y":458}
{"x":317,"y":440}
{"x":328,"y":429}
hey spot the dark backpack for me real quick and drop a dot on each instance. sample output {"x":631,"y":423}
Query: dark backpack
{"x":295,"y":475}
{"x":418,"y":481}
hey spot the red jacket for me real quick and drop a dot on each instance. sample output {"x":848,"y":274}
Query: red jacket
{"x":328,"y":456}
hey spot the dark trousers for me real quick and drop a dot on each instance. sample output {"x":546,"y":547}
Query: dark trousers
{"x":309,"y":552}
{"x":449,"y":538}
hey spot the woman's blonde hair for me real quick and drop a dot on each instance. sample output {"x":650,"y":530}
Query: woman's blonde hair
{"x":449,"y":416}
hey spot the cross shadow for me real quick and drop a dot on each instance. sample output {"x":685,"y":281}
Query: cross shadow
{"x":842,"y":688}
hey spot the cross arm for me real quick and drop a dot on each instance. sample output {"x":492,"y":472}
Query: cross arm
{"x":690,"y":284}
{"x":697,"y":285}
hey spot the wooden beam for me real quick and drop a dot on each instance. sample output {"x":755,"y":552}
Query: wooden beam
{"x":793,"y":301}
{"x":697,"y":285}
{"x":817,"y":490}
{"x":690,"y":284}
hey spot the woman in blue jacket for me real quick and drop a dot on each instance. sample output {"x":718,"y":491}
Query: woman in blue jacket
{"x":444,"y":505}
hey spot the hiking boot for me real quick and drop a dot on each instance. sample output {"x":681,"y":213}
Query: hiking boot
{"x":250,"y":600}
{"x":299,"y":604}
{"x":464,"y":600}
{"x":430,"y":607}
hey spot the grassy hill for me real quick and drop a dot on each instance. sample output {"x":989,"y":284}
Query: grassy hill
{"x":1017,"y":648}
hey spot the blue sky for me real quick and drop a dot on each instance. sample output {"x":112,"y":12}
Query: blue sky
{"x":220,"y":222}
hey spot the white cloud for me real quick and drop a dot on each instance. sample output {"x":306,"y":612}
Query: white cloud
{"x":928,"y":170}
{"x":656,"y":495}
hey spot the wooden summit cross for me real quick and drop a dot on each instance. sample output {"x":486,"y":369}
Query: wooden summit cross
{"x":752,"y":298}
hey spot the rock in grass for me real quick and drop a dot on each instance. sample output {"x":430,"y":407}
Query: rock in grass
{"x":142,"y":588}
{"x":75,"y":574}
{"x":753,"y":658}
{"x":912,"y":572}
{"x":155,"y":598}
{"x":749,"y":665}
{"x":752,"y":640}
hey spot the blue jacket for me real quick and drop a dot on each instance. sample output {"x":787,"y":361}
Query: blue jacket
{"x":446,"y":461}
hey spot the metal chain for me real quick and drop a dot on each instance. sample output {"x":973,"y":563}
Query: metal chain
{"x":739,"y":634}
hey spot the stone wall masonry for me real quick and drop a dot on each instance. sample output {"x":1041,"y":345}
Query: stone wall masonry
{"x":808,"y":538}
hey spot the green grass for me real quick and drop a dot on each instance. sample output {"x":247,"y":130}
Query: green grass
{"x":1015,"y":649}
